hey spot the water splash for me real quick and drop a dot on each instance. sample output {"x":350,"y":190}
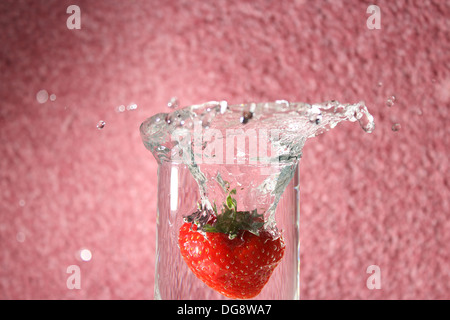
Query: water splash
{"x":210,"y":139}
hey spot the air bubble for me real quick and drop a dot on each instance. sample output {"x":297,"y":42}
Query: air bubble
{"x":101,"y":124}
{"x":52,"y":97}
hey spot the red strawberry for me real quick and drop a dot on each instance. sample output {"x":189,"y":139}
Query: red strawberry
{"x":229,"y":254}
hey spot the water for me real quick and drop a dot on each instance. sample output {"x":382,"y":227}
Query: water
{"x":215,"y":139}
{"x":173,"y":103}
{"x":101,"y":124}
{"x":206,"y":150}
{"x":396,"y":127}
{"x":390,"y":101}
{"x":42,"y":96}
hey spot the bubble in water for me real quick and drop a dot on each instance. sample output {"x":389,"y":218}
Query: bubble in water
{"x":173,"y":103}
{"x":52,"y":97}
{"x":42,"y":96}
{"x":396,"y":127}
{"x":120,"y":108}
{"x":101,"y":124}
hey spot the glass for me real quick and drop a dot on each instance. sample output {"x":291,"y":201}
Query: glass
{"x":228,"y":195}
{"x":177,"y":197}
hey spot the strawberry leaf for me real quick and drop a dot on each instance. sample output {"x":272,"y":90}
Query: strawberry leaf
{"x":231,"y":221}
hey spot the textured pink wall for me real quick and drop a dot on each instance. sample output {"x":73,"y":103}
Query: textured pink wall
{"x":367,"y":199}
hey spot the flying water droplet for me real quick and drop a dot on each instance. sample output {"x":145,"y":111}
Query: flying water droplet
{"x":132,"y":106}
{"x":396,"y":127}
{"x":42,"y":96}
{"x":390,"y":101}
{"x":101,"y":124}
{"x":85,"y":254}
{"x":173,"y":103}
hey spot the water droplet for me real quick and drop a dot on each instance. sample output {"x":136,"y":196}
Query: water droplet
{"x":390,"y":101}
{"x":173,"y":103}
{"x":132,"y":106}
{"x":101,"y":124}
{"x":85,"y":254}
{"x":396,"y":127}
{"x":42,"y":96}
{"x":52,"y":97}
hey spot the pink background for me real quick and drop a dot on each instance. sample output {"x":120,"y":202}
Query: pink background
{"x":367,"y":199}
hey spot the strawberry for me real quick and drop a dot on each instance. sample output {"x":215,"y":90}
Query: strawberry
{"x":232,"y":253}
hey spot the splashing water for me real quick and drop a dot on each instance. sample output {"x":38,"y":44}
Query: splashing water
{"x":254,"y":148}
